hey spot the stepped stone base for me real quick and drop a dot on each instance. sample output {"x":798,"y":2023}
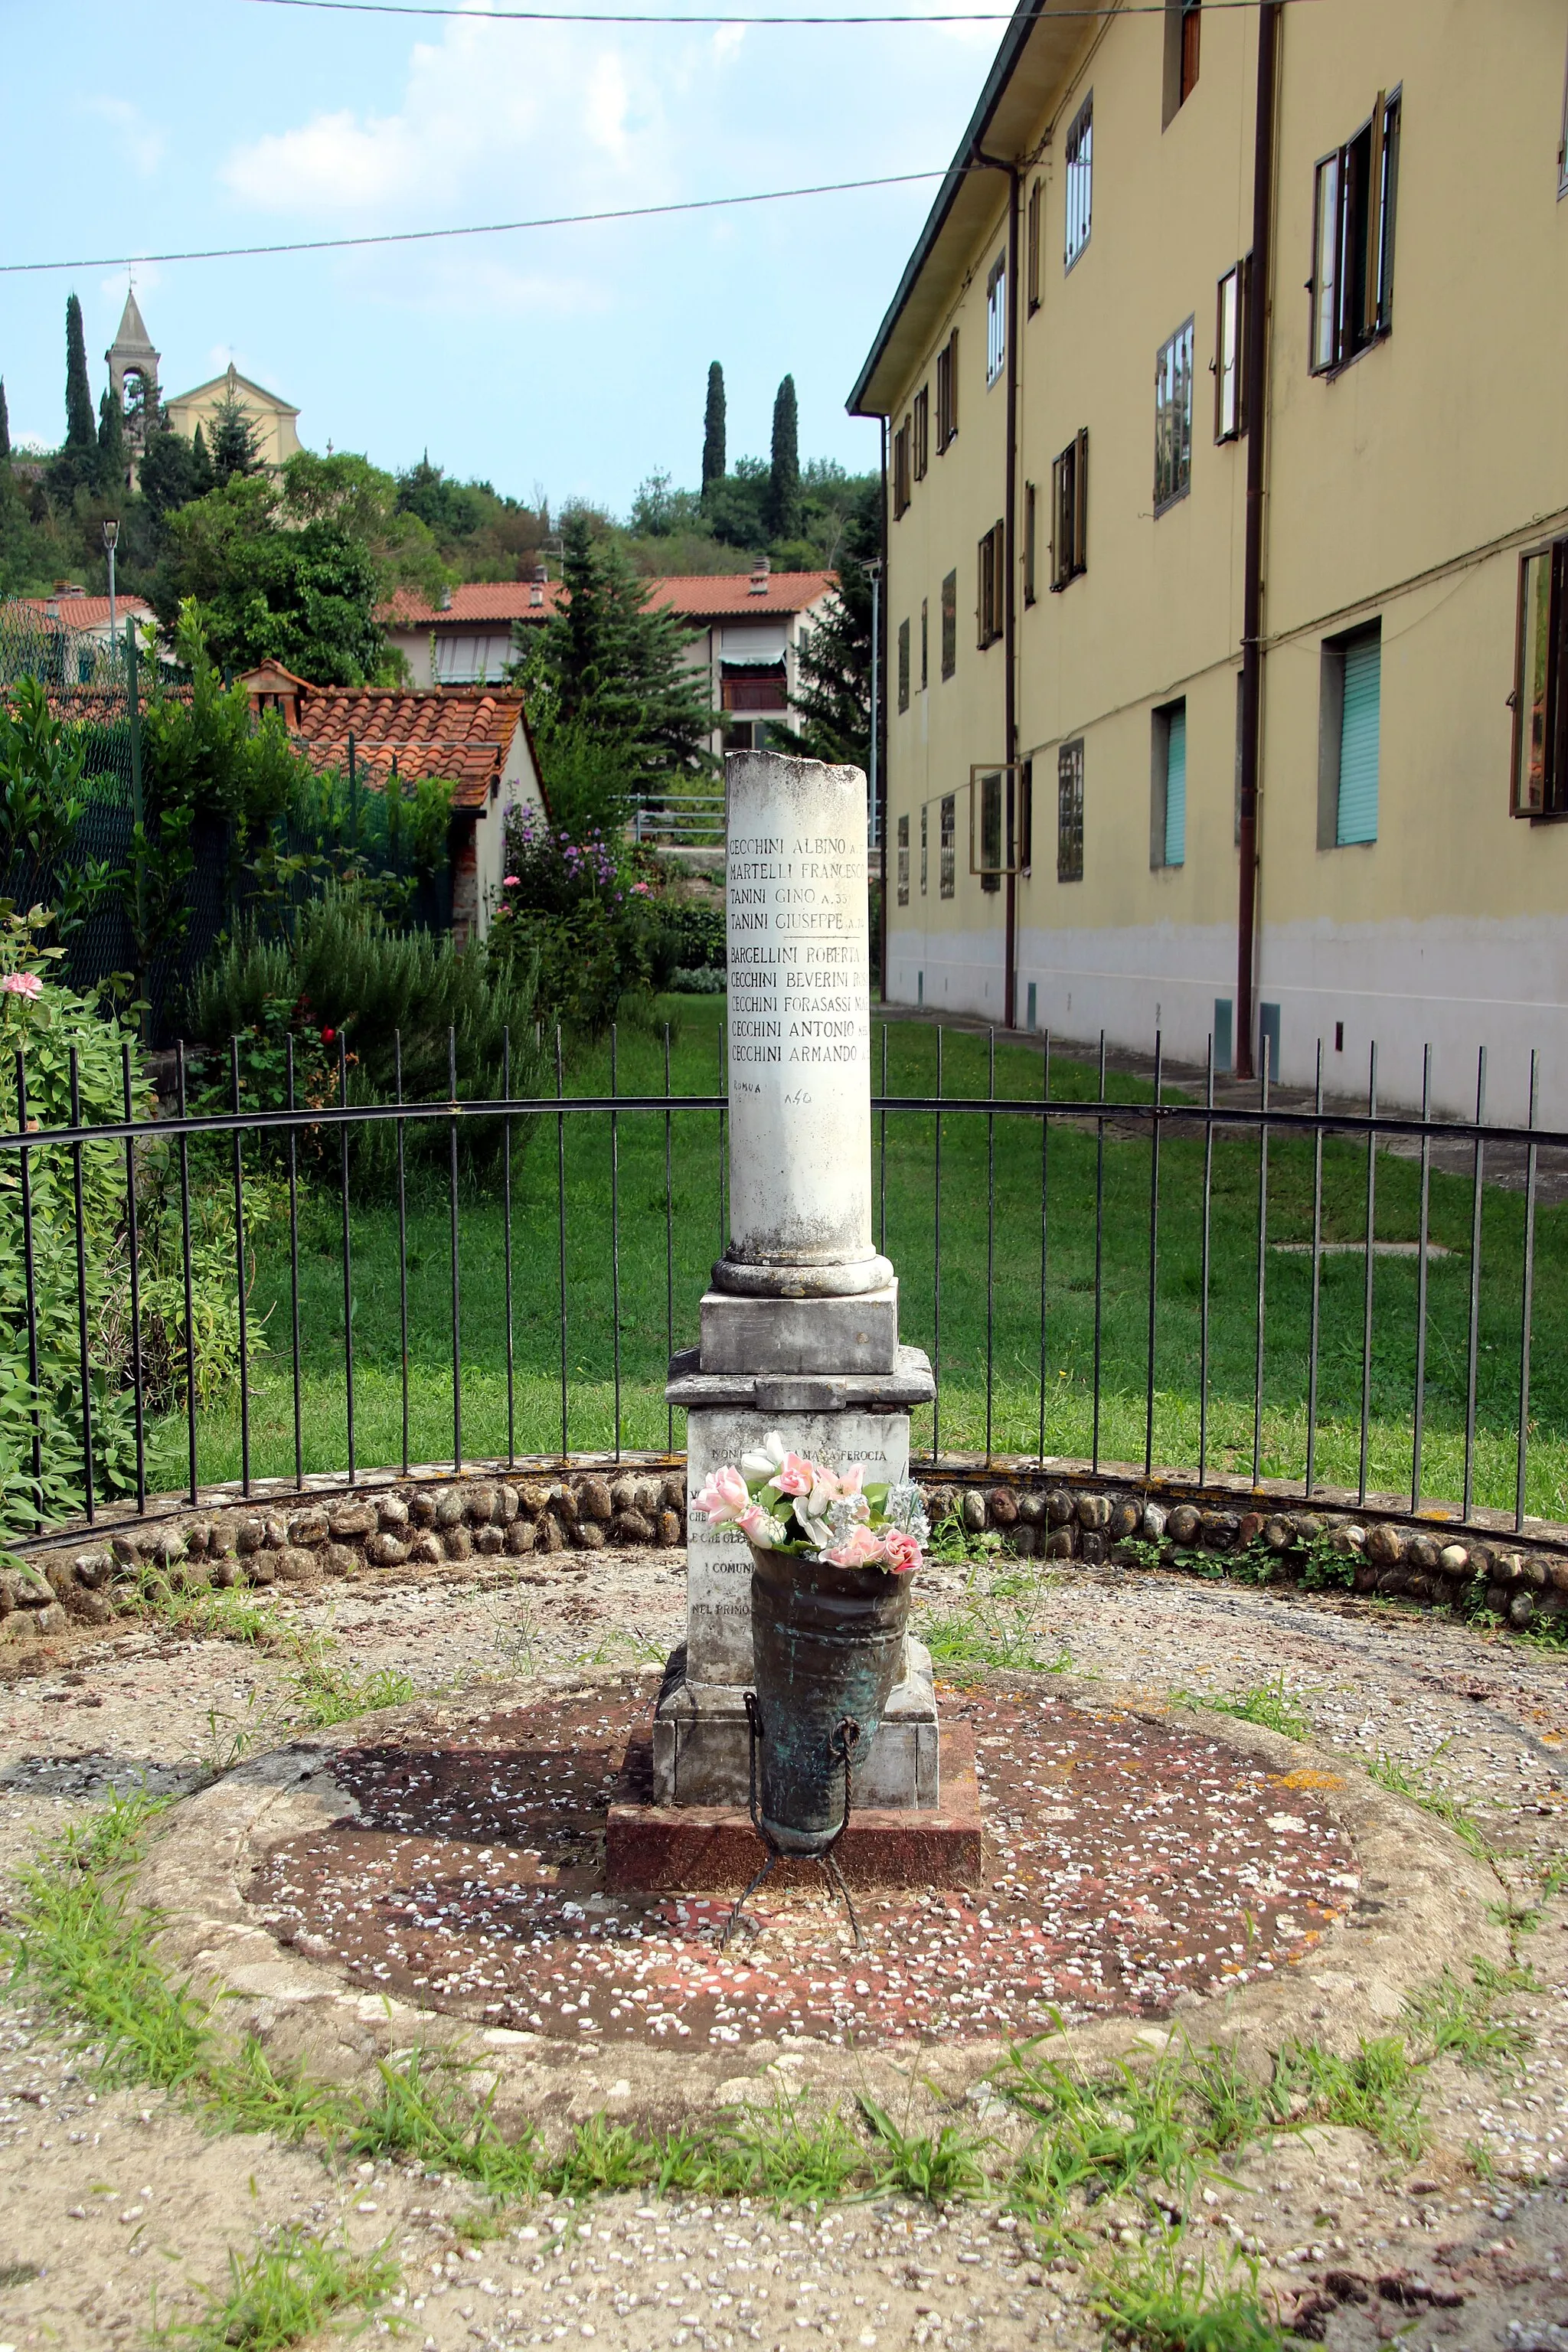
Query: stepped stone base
{"x":658,"y":1848}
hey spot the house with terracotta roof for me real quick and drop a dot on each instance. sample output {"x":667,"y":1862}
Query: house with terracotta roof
{"x":745,"y":632}
{"x":478,"y":739}
{"x":83,"y":623}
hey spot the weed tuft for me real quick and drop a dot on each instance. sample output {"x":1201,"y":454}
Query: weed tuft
{"x":1158,"y":2301}
{"x":941,"y":2167}
{"x":1270,"y":1703}
{"x":285,"y":2291}
{"x":1392,"y":1775}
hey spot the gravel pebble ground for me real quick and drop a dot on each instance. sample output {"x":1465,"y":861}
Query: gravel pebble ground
{"x":114,"y":2201}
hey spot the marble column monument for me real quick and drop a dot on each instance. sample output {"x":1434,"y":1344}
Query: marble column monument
{"x":800,"y":1328}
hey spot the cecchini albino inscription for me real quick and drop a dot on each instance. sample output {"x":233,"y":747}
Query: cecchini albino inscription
{"x":799,"y":995}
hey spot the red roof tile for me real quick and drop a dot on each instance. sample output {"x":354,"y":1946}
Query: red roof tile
{"x":87,"y":612}
{"x":438,"y":732}
{"x":697,"y":595}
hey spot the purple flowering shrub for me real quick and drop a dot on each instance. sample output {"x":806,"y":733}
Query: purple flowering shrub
{"x":591,"y":924}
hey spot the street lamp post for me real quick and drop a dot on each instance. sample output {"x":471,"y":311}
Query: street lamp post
{"x":872,"y":568}
{"x":110,"y":539}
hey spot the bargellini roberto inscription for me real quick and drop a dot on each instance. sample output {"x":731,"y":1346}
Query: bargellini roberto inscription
{"x":799,"y":988}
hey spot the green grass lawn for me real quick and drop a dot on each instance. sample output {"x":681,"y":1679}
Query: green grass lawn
{"x":1004,"y":1166}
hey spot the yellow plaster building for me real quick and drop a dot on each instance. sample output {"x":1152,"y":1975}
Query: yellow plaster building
{"x":275,"y":421}
{"x":1308,"y":264}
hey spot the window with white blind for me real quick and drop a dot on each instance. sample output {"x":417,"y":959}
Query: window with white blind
{"x":1079,"y":174}
{"x":1349,"y":725}
{"x":996,"y":319}
{"x":1168,"y":786}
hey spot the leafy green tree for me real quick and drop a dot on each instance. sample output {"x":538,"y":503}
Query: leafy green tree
{"x":478,"y":534}
{"x":236,"y":442}
{"x":111,"y":457}
{"x":833,"y":691}
{"x":784,"y":475}
{"x":609,"y":669}
{"x":713,"y":459}
{"x":737,"y":507}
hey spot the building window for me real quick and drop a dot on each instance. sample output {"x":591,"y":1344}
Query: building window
{"x":903,"y":664}
{"x":992,"y":861}
{"x":1027,"y":815}
{"x":947,"y":392}
{"x":948,"y":624}
{"x":1168,"y":786}
{"x":925,"y":642}
{"x":1230,"y":352}
{"x":1069,"y":811}
{"x":991,"y":602}
{"x":925,"y":838}
{"x":1069,"y":512}
{"x":903,"y":861}
{"x":1540,"y":685}
{"x":1079,"y":180}
{"x":1352,"y":283}
{"x":922,"y":431}
{"x":1351,"y":693}
{"x":1183,"y":26}
{"x":902,"y":470}
{"x":1036,"y":200}
{"x":947,"y":865}
{"x":1173,"y":419}
{"x":1028,"y":543}
{"x":996,"y":319}
{"x":1562,"y":146}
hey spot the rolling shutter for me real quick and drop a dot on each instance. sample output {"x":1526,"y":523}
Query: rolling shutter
{"x":1358,"y":742}
{"x":1176,"y":789}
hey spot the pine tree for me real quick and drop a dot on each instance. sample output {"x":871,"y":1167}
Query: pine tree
{"x":834,"y":691}
{"x":713,"y":429}
{"x":234,"y":442}
{"x":80,"y":433}
{"x":111,"y":459}
{"x":4,"y":426}
{"x":784,"y":478}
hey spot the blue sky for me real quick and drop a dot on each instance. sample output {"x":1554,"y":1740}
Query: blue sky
{"x":571,"y":360}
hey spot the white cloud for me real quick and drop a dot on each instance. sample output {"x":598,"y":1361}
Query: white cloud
{"x":499,"y":120}
{"x":141,"y":142}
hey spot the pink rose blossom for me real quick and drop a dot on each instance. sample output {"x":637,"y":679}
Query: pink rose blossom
{"x":508,"y":881}
{"x":22,"y":983}
{"x":794,"y":1475}
{"x":723,"y":1498}
{"x":861,"y":1547}
{"x":900,"y":1549}
{"x":759,"y":1525}
{"x":852,"y":1478}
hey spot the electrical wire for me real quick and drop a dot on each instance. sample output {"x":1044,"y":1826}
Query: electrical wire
{"x":654,"y":16}
{"x":480,"y":228}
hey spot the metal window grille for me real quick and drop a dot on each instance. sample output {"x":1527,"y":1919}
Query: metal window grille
{"x":1069,"y":811}
{"x":948,"y":624}
{"x":903,"y":664}
{"x":1079,"y":181}
{"x":903,"y":861}
{"x":1174,"y":418}
{"x":925,"y":847}
{"x":947,"y":868}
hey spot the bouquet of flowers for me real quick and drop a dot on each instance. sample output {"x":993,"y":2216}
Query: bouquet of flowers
{"x":783,"y":1502}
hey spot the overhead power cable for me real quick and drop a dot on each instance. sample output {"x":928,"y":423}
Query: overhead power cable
{"x":663,"y":17}
{"x":479,"y":228}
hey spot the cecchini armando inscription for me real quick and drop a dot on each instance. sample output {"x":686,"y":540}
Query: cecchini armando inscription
{"x":799,"y":991}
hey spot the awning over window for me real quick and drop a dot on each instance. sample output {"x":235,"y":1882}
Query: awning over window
{"x":752,"y":644}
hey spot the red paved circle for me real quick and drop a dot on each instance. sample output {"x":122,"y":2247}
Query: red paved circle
{"x":1127,"y":1862}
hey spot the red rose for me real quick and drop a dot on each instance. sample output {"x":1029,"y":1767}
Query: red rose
{"x":328,"y":1035}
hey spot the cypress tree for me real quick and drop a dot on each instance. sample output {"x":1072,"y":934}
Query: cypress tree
{"x":784,"y":478}
{"x":111,"y":460}
{"x":714,"y":461}
{"x":80,"y":433}
{"x":4,"y":427}
{"x":201,"y":465}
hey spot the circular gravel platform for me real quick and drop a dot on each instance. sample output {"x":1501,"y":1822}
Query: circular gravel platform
{"x":1128,"y":1862}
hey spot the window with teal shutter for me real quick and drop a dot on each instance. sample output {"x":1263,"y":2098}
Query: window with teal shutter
{"x":1357,"y":817}
{"x":1176,"y":788}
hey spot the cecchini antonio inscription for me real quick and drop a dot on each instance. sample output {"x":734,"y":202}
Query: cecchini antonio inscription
{"x":799,"y":985}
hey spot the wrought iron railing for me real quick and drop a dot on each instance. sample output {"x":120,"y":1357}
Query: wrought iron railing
{"x":1152,"y":1276}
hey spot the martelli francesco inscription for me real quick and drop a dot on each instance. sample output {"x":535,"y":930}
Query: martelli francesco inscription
{"x":799,"y":989}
